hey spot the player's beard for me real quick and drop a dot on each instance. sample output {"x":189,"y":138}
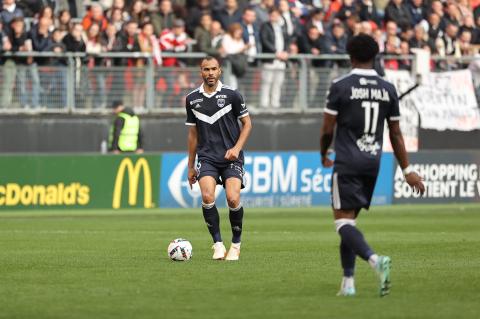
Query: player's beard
{"x":211,"y":82}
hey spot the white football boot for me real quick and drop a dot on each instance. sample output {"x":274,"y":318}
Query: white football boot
{"x":233,"y":252}
{"x":219,"y":251}
{"x":347,"y":287}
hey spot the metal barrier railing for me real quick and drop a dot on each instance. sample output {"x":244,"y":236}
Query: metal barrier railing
{"x":68,"y":84}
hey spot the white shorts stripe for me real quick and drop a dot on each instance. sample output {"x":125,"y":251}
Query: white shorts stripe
{"x":336,"y":192}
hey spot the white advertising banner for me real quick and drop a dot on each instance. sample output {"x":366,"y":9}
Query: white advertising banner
{"x":446,"y":101}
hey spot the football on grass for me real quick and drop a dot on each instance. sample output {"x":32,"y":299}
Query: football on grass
{"x":180,"y":250}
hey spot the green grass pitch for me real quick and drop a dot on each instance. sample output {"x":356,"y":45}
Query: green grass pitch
{"x":113,"y":264}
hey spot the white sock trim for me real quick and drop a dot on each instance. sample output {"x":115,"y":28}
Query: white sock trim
{"x":236,"y":209}
{"x":372,"y":260}
{"x":208,"y":206}
{"x":339,"y":223}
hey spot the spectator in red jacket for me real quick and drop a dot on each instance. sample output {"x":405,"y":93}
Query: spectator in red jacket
{"x":174,"y":40}
{"x":95,"y":15}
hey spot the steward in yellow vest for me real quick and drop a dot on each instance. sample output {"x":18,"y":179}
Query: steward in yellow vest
{"x":125,"y":133}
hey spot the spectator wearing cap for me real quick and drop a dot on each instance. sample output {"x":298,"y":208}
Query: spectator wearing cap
{"x":9,"y":11}
{"x":397,"y":11}
{"x":163,"y":19}
{"x":229,"y":14}
{"x":174,"y":40}
{"x":95,"y":15}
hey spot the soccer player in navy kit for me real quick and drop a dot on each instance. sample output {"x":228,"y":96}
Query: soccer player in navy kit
{"x":213,"y":112}
{"x":358,"y":105}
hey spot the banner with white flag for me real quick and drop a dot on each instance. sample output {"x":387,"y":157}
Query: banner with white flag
{"x":446,"y":101}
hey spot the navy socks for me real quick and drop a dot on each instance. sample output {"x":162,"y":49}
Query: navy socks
{"x":353,"y":238}
{"x":212,"y":219}
{"x":348,"y":259}
{"x":236,"y":219}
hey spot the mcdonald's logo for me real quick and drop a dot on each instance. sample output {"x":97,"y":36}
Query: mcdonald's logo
{"x":133,"y":171}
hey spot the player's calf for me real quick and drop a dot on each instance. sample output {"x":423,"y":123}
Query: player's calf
{"x":212,"y":219}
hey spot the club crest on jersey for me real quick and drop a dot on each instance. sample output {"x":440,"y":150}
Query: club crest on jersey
{"x":221,"y":102}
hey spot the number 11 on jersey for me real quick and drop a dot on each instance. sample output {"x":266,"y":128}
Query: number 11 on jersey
{"x":368,"y":106}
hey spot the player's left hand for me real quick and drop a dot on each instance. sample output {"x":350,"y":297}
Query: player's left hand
{"x":232,"y":154}
{"x":415,"y":182}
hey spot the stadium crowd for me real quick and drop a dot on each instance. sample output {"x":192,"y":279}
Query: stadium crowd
{"x":230,"y":29}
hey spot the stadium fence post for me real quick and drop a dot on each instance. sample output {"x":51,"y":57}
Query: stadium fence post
{"x":150,"y":84}
{"x":70,"y":85}
{"x":302,"y":90}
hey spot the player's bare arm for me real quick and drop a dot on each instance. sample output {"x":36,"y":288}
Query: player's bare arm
{"x":398,"y":145}
{"x":233,"y":153}
{"x":326,"y":138}
{"x":192,"y":151}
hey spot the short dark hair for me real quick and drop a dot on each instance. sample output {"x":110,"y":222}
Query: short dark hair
{"x":209,"y":58}
{"x":362,"y":48}
{"x":116,"y":104}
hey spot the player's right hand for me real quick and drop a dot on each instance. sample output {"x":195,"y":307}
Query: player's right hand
{"x":192,"y":176}
{"x":415,"y":182}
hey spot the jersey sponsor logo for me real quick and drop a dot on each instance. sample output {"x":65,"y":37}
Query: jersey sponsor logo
{"x":180,"y":188}
{"x":365,"y":81}
{"x":368,"y":144}
{"x":133,"y":170}
{"x":221,"y":102}
{"x":196,"y":101}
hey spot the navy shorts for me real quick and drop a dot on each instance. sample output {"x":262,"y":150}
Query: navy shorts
{"x":352,"y":192}
{"x":220,"y":172}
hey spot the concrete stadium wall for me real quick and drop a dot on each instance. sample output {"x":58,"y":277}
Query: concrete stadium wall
{"x":75,"y":133}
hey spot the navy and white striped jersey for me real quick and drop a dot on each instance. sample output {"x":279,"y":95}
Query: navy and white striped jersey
{"x":216,"y":117}
{"x":362,"y":101}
